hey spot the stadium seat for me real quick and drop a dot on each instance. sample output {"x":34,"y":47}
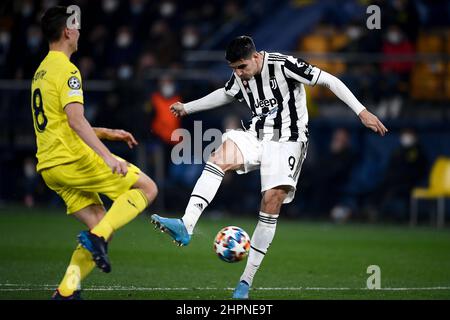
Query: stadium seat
{"x":430,"y":43}
{"x":315,"y":43}
{"x":439,"y":189}
{"x":426,"y":81}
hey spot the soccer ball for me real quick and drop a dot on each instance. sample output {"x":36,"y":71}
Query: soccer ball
{"x":232,"y":244}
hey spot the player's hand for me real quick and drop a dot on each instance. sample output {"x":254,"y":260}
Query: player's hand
{"x":372,"y":122}
{"x":116,"y":165}
{"x":122,"y":135}
{"x":178,"y":109}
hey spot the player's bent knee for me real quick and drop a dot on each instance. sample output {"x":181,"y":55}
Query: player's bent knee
{"x":217,"y":159}
{"x":223,"y":163}
{"x":151,"y":190}
{"x":147,"y":186}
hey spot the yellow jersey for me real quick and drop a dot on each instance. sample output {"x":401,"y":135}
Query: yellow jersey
{"x":56,"y":83}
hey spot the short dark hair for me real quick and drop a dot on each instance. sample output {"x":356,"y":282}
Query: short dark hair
{"x":239,"y":48}
{"x":53,"y":23}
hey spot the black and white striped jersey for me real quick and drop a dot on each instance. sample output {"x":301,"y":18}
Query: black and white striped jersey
{"x":277,"y":97}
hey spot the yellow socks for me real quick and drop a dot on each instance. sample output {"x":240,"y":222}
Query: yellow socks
{"x":80,"y":266}
{"x":124,"y":209}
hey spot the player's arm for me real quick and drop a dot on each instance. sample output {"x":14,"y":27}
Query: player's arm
{"x":116,"y":135}
{"x":213,"y":100}
{"x":308,"y":74}
{"x":343,"y":92}
{"x":78,"y":123}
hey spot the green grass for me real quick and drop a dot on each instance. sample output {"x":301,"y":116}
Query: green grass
{"x":36,"y":245}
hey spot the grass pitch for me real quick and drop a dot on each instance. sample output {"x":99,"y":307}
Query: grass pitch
{"x":306,"y":260}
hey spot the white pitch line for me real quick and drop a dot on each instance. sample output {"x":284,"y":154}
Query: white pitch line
{"x":45,"y":287}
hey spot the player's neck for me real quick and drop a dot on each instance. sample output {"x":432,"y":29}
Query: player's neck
{"x":260,"y":62}
{"x":62,"y":47}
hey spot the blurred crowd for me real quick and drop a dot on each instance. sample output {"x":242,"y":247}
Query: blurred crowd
{"x":119,"y":39}
{"x":400,"y":71}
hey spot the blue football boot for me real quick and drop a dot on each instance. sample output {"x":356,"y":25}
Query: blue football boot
{"x":241,"y":290}
{"x":98,"y":247}
{"x":173,"y":227}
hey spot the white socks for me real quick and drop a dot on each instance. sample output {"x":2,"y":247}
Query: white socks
{"x":260,"y":242}
{"x":204,"y":191}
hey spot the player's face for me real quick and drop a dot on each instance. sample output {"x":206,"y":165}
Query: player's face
{"x":245,"y":68}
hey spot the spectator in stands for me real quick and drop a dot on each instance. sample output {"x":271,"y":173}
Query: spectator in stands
{"x":406,"y":168}
{"x":396,"y":70}
{"x":163,"y":122}
{"x":332,"y":173}
{"x":403,"y":13}
{"x":124,"y":51}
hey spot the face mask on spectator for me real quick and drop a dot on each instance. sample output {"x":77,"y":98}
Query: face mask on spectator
{"x":189,"y":40}
{"x":407,"y":140}
{"x":123,"y":40}
{"x":394,"y":37}
{"x":109,"y":5}
{"x":125,"y":72}
{"x":354,"y":33}
{"x":168,"y":90}
{"x":167,"y":9}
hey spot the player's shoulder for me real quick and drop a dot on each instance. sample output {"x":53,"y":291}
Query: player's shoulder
{"x":63,"y":64}
{"x":71,"y":68}
{"x":277,"y":57}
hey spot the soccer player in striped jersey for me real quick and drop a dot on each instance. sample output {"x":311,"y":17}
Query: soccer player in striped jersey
{"x":275,"y":142}
{"x":74,"y":162}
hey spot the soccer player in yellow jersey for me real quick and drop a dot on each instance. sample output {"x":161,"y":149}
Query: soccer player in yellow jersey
{"x":74,"y":162}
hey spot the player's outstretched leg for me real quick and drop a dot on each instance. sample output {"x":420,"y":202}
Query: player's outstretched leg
{"x":173,"y":227}
{"x":204,"y":191}
{"x":227,"y":157}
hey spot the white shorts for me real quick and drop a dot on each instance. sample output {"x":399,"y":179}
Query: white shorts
{"x":279,"y":162}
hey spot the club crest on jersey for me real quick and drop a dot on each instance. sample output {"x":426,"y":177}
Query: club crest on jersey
{"x":74,"y":83}
{"x":273,"y":83}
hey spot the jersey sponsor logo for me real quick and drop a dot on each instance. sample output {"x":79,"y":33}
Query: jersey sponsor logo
{"x":74,"y":83}
{"x":266,"y":103}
